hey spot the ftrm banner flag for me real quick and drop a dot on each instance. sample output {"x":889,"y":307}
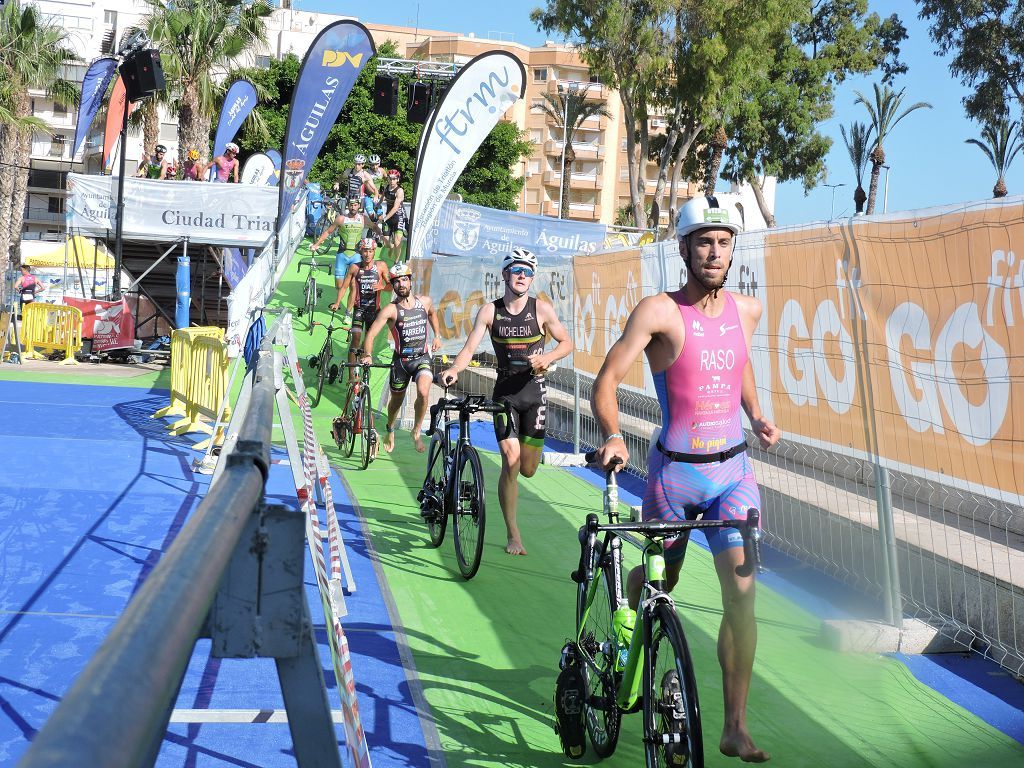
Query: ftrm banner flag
{"x":476,"y":99}
{"x":332,"y":64}
{"x":94,"y":88}
{"x":238,"y":104}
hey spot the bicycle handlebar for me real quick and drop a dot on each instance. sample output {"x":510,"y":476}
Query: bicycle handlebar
{"x":470,"y":404}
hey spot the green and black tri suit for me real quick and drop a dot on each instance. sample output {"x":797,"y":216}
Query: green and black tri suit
{"x":515,"y":338}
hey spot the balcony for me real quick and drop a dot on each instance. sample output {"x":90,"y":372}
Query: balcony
{"x":583,"y":151}
{"x":576,"y":180}
{"x":51,"y":150}
{"x":593,"y":91}
{"x":35,"y":214}
{"x":579,"y":211}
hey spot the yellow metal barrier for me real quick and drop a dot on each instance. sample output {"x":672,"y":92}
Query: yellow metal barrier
{"x":206,"y":388}
{"x":53,"y":328}
{"x":181,"y":359}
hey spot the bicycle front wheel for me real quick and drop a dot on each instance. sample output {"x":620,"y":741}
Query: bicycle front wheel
{"x":596,"y":630}
{"x":672,"y":730}
{"x":469,"y":513}
{"x":310,"y":298}
{"x":433,"y":499}
{"x":322,"y":371}
{"x":367,"y":431}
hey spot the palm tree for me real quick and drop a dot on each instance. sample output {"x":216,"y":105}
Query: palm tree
{"x":884,"y":118}
{"x":568,"y":110}
{"x":1001,"y":140}
{"x":199,"y":40}
{"x":857,"y":144}
{"x":33,"y":53}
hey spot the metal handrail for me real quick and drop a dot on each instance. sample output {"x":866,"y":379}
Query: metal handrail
{"x":116,"y":712}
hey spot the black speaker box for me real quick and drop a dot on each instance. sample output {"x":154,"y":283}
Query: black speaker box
{"x":143,"y":74}
{"x":419,"y":102}
{"x":385,"y":95}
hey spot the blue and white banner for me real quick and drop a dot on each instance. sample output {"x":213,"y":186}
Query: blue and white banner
{"x":475,"y":100}
{"x":94,"y":89}
{"x":257,"y":170}
{"x":275,"y":158}
{"x":238,"y":104}
{"x":472,"y":230}
{"x":332,"y":64}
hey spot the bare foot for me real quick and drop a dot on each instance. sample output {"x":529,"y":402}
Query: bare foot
{"x":515,"y":547}
{"x":388,"y":443}
{"x":418,"y":442}
{"x":737,"y":743}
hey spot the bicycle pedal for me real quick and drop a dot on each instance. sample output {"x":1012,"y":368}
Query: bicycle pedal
{"x":570,"y":693}
{"x":332,"y":374}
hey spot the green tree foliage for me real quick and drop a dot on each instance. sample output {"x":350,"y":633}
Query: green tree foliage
{"x":33,"y":53}
{"x":858,"y":146}
{"x":1001,"y":141}
{"x":487,"y":180}
{"x":774,"y":128}
{"x":986,"y":40}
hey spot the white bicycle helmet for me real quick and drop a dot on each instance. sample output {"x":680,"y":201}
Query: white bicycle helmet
{"x":360,"y":159}
{"x":717,"y":211}
{"x":231,"y":147}
{"x":400,"y":269}
{"x":374,"y":159}
{"x":519,"y":256}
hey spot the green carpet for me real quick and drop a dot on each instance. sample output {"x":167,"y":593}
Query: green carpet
{"x":486,"y":651}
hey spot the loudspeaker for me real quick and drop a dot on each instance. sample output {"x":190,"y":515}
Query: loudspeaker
{"x":419,"y":102}
{"x":143,"y":74}
{"x":440,"y":89}
{"x":385,"y":95}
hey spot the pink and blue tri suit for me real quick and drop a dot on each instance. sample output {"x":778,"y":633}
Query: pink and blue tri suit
{"x":699,"y":394}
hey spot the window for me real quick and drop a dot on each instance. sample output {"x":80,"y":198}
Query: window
{"x":537,"y":105}
{"x":263,"y":62}
{"x":540,"y":75}
{"x":533,"y":196}
{"x":536,"y":135}
{"x":168,"y":132}
{"x":57,"y":144}
{"x":595,"y":79}
{"x":55,"y":204}
{"x":59,"y":110}
{"x":110,"y":18}
{"x":534,"y":166}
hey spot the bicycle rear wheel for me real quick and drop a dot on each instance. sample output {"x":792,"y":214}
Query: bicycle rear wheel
{"x":433,"y":493}
{"x":468,"y":513}
{"x":322,"y":371}
{"x":309,"y":296}
{"x":355,"y":418}
{"x":601,"y":713}
{"x":672,"y":729}
{"x":366,"y":455}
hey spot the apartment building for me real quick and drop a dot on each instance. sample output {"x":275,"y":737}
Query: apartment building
{"x":598,"y":179}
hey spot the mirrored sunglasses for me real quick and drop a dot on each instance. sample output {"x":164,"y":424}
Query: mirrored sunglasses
{"x":520,"y":270}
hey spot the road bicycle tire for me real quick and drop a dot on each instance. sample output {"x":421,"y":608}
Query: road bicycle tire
{"x":672,"y":728}
{"x":596,"y":631}
{"x":435,"y":492}
{"x":469,"y":513}
{"x":322,"y":372}
{"x":309,"y":298}
{"x":353,"y":416}
{"x":366,"y":455}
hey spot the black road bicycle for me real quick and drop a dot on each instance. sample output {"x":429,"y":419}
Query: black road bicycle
{"x":323,"y":363}
{"x":622,"y":662}
{"x":311,"y":291}
{"x":454,"y":483}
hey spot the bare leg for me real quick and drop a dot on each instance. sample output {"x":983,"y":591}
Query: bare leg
{"x":422,"y":395}
{"x":508,"y":493}
{"x":737,"y":640}
{"x":394,"y":406}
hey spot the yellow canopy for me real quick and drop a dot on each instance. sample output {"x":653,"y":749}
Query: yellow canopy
{"x":86,"y":251}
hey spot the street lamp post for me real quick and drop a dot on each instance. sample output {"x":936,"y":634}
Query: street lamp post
{"x":832,"y":215}
{"x":571,"y":88}
{"x":885,"y":194}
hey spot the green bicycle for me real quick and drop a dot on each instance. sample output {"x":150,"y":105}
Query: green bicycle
{"x":621,"y":662}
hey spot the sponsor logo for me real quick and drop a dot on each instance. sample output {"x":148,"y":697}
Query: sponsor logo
{"x":466,"y":228}
{"x":724,"y":329}
{"x":491,"y":94}
{"x":312,"y":123}
{"x":717,"y":359}
{"x":529,"y":316}
{"x":716,"y":216}
{"x":294,"y":170}
{"x":236,"y":107}
{"x":341,"y":58}
{"x":697,"y":329}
